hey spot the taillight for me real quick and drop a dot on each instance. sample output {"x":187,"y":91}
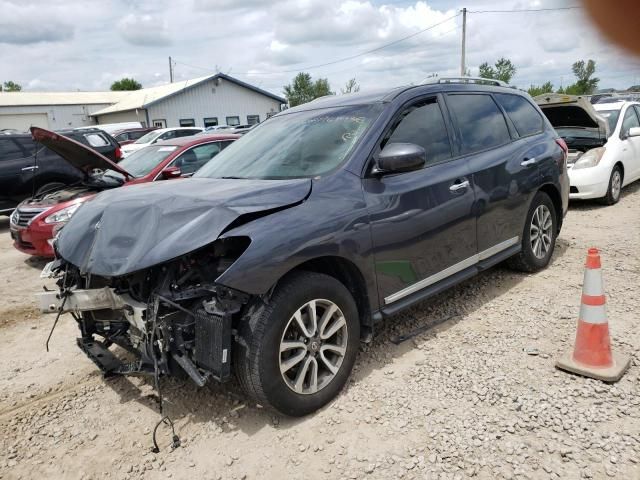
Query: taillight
{"x":118,"y":154}
{"x":565,"y":152}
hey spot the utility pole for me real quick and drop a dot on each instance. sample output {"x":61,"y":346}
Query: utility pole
{"x":170,"y":70}
{"x":464,"y":40}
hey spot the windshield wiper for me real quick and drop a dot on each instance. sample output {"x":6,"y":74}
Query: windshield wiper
{"x":233,"y":178}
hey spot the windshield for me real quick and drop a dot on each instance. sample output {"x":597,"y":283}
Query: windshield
{"x":294,"y":145}
{"x":612,"y":118}
{"x":143,"y":161}
{"x":149,"y":137}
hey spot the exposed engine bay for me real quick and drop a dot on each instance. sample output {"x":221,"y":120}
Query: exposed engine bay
{"x":169,"y":317}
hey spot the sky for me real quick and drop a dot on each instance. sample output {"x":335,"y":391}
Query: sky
{"x":63,"y":45}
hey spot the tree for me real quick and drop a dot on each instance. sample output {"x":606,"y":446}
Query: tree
{"x":634,"y":88}
{"x":351,"y":87}
{"x":303,"y":89}
{"x":503,"y":70}
{"x":535,"y":90}
{"x":10,"y":86}
{"x":586,"y":83}
{"x":126,"y":84}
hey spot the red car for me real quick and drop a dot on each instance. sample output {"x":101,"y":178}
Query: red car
{"x":35,"y":221}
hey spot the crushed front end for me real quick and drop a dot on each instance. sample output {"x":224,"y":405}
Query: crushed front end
{"x":166,"y":319}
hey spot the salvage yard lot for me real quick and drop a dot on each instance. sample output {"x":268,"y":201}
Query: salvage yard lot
{"x":472,"y":396}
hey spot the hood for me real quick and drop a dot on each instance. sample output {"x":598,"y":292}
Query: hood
{"x":75,"y":153}
{"x":571,"y":111}
{"x":129,"y":229}
{"x":57,"y":196}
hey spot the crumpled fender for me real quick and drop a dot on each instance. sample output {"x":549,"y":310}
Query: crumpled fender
{"x":125,"y":230}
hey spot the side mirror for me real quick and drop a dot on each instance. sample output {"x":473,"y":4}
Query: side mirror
{"x":171,"y":172}
{"x":400,"y":157}
{"x":634,"y":132}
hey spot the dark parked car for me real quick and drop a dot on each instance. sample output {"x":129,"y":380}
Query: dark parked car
{"x":27,"y":168}
{"x":130,"y":135}
{"x":283,"y":252}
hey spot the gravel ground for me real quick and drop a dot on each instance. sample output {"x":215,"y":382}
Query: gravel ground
{"x":475,"y":395}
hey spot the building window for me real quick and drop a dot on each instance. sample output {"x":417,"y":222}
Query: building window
{"x":160,"y":123}
{"x":187,"y":122}
{"x":233,"y":120}
{"x":210,"y":122}
{"x":253,"y":119}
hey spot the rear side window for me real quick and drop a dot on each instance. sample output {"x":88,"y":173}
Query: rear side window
{"x":480,"y":122}
{"x":423,"y":125}
{"x":10,"y":149}
{"x":524,"y":116}
{"x":97,"y":140}
{"x":135,"y":135}
{"x":186,"y":133}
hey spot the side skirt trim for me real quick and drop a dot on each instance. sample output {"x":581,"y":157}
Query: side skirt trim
{"x":452,"y":270}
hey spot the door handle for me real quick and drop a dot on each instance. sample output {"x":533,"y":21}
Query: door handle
{"x":530,"y":161}
{"x":456,"y":187}
{"x":25,"y":169}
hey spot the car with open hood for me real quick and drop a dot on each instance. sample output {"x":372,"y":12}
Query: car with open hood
{"x":28,"y":168}
{"x":603,"y":141}
{"x":35,"y":221}
{"x":285,"y":250}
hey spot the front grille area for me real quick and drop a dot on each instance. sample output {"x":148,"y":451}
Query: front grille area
{"x":573,"y":190}
{"x":21,"y":217}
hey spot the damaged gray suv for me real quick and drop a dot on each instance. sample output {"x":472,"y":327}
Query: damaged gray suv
{"x":280,"y":255}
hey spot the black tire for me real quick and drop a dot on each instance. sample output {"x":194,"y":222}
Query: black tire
{"x":613,"y":194}
{"x":527,"y":260}
{"x":49,"y":187}
{"x":257,"y":354}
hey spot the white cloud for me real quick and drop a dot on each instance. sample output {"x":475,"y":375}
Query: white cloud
{"x":265,"y":43}
{"x":23,"y":24}
{"x":145,"y":29}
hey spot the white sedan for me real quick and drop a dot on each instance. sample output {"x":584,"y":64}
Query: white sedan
{"x":603,"y":141}
{"x":158,"y":135}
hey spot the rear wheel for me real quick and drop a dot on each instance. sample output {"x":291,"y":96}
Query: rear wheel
{"x":295,"y":353}
{"x":615,"y":187}
{"x":539,"y":236}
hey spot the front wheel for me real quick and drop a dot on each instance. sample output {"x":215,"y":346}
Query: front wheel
{"x":615,"y":187}
{"x":295,"y":353}
{"x":539,"y":236}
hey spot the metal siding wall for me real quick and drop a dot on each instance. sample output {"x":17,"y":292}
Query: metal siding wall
{"x":118,"y":117}
{"x":60,"y":116}
{"x":199,"y":102}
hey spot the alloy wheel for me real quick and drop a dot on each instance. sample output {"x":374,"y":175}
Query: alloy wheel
{"x":616,"y":184}
{"x":540,"y":232}
{"x":313,"y":346}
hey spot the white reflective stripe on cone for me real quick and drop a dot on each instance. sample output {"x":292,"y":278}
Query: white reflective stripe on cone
{"x":593,"y":313}
{"x":592,"y":284}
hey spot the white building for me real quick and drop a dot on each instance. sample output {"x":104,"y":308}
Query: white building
{"x":55,"y":110}
{"x":213,"y":100}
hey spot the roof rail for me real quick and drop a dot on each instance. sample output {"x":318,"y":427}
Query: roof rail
{"x":479,"y":80}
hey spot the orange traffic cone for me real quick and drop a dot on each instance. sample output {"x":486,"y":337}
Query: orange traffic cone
{"x":592,"y":356}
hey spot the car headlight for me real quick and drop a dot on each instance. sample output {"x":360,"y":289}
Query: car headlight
{"x":62,"y":215}
{"x":590,"y":158}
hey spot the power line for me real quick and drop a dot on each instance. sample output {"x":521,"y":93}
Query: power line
{"x":528,"y":10}
{"x":333,"y":62}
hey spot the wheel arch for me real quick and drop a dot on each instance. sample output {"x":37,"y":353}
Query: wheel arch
{"x":556,"y":199}
{"x":621,"y":165}
{"x":347,"y":273}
